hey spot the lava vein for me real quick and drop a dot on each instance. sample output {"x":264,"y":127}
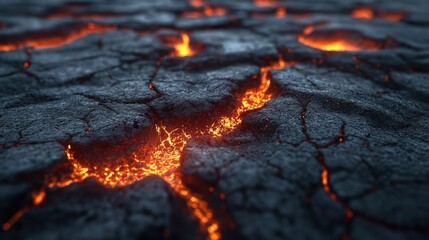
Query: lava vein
{"x":160,"y":155}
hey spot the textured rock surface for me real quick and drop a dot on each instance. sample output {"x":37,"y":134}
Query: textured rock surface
{"x":360,"y":116}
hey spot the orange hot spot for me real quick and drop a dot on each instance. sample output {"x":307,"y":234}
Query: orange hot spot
{"x":160,"y":156}
{"x":214,"y":11}
{"x":339,"y":41}
{"x":37,"y":198}
{"x":266,"y":3}
{"x":386,"y":77}
{"x":391,"y":16}
{"x":6,"y":226}
{"x":325,"y":182}
{"x":182,"y":46}
{"x":51,"y":40}
{"x":368,"y":13}
{"x":197,"y":3}
{"x":252,"y":99}
{"x":308,"y":29}
{"x":206,"y":11}
{"x":363,"y":13}
{"x":201,"y":211}
{"x":349,"y":213}
{"x":281,"y":12}
{"x":26,"y":64}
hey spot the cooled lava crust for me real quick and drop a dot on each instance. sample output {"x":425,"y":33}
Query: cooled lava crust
{"x":168,"y":119}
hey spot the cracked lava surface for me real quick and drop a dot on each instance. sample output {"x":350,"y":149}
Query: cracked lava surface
{"x":204,"y":119}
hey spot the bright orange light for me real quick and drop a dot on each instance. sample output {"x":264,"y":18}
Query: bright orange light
{"x":339,"y":42}
{"x":160,"y":156}
{"x":325,"y":182}
{"x":308,"y":29}
{"x":368,"y":13}
{"x":206,"y":11}
{"x":37,"y":198}
{"x":197,"y":3}
{"x":214,"y":11}
{"x":182,"y":46}
{"x":363,"y":13}
{"x":55,"y":40}
{"x":252,"y":99}
{"x":265,"y":3}
{"x":281,"y":12}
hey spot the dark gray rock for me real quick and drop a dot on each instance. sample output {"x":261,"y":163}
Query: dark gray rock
{"x":360,"y":117}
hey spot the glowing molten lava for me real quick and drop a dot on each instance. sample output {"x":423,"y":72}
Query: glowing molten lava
{"x":339,"y":41}
{"x":251,"y":100}
{"x":182,"y":45}
{"x":366,"y":12}
{"x":160,"y":156}
{"x":51,"y":40}
{"x":266,"y":3}
{"x":280,"y":12}
{"x":207,"y":10}
{"x":37,"y":198}
{"x":197,"y":3}
{"x":363,"y":13}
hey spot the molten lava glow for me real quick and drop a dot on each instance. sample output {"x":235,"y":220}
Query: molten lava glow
{"x":363,"y":13}
{"x":197,"y":3}
{"x":182,"y":46}
{"x":265,"y":3}
{"x":251,"y":100}
{"x":160,"y":156}
{"x":325,"y":182}
{"x":308,"y":29}
{"x":337,"y":42}
{"x":391,"y":16}
{"x":37,"y":198}
{"x":206,"y":11}
{"x":281,"y":12}
{"x":369,"y":13}
{"x":55,"y":40}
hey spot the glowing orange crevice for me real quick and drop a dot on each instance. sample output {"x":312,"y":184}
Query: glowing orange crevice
{"x":161,"y":156}
{"x":182,"y":45}
{"x":338,"y":41}
{"x":325,"y":182}
{"x":266,"y":3}
{"x":197,"y":3}
{"x":55,"y":40}
{"x":37,"y":198}
{"x":280,"y":12}
{"x":363,"y":13}
{"x":206,"y":11}
{"x":368,"y":13}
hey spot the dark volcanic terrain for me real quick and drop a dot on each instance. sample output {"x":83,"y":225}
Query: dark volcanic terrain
{"x":242,"y":119}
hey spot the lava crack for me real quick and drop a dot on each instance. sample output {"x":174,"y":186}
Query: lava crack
{"x":54,"y":38}
{"x":366,"y":12}
{"x":340,"y":40}
{"x":160,"y":156}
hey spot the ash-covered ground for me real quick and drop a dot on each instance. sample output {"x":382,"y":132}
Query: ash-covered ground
{"x":339,"y":150}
